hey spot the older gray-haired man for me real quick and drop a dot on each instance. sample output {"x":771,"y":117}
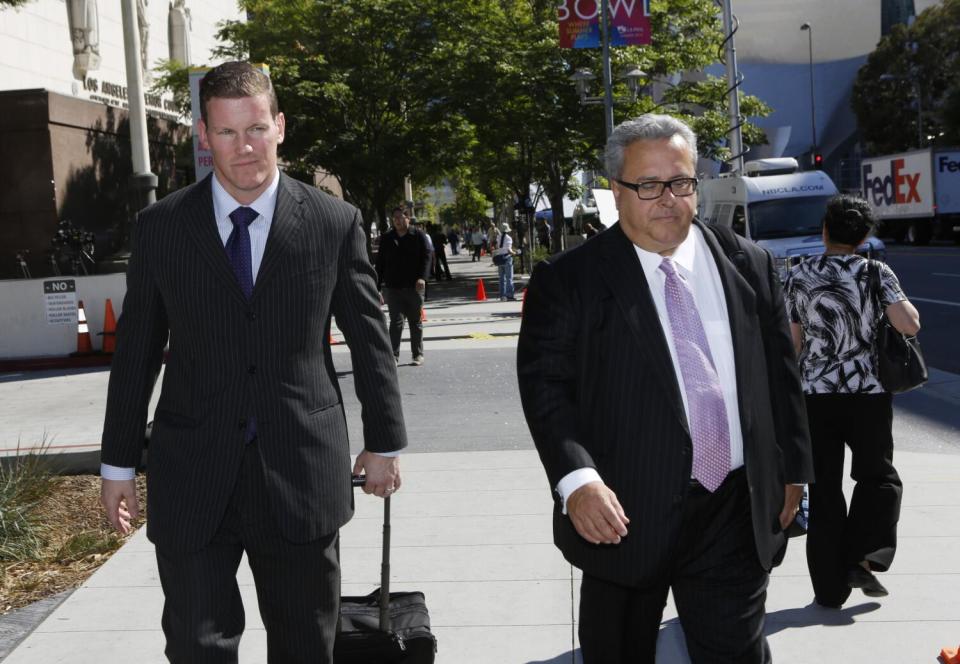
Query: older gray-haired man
{"x":660,"y":386}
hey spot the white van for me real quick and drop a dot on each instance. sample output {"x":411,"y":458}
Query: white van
{"x":776,"y":206}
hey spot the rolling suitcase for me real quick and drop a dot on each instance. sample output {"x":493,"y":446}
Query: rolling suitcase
{"x":384,"y":627}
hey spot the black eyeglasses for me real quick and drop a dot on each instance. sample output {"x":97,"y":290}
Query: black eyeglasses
{"x":649,"y":190}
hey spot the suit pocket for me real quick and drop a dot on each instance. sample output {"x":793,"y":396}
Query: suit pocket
{"x":315,"y":411}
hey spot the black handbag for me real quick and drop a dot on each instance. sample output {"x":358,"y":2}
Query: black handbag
{"x":899,"y":360}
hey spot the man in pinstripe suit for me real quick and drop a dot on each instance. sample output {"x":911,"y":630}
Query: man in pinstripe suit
{"x":661,"y":390}
{"x":241,"y":272}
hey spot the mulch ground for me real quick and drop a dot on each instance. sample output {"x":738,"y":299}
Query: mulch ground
{"x":77,"y":541}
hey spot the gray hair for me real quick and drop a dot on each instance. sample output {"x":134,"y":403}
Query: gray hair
{"x":648,"y":127}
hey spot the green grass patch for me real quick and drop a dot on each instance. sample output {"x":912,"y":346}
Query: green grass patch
{"x":25,"y":480}
{"x":87,"y":543}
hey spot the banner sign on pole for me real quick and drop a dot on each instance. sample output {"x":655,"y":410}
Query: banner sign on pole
{"x":580,"y":23}
{"x":202,"y":159}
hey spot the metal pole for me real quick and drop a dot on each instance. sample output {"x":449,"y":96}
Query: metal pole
{"x":916,"y":89}
{"x":143,"y":179}
{"x":813,"y":106}
{"x":736,"y":138}
{"x":607,"y":75}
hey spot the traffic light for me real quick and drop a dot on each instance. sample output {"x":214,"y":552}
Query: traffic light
{"x":817,"y":160}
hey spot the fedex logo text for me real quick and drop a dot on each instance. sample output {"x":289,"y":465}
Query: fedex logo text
{"x":896,"y":188}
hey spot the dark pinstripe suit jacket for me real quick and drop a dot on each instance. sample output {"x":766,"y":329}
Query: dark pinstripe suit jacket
{"x":599,"y":390}
{"x":231,"y":358}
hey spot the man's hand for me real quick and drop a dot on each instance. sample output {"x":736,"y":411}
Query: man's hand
{"x":791,"y":504}
{"x":596,"y":514}
{"x":383,"y":473}
{"x":119,"y":500}
{"x":421,"y":285}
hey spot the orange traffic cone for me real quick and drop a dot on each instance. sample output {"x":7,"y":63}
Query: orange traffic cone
{"x":84,"y":346}
{"x":423,"y":315}
{"x":481,"y":291}
{"x":109,"y":329}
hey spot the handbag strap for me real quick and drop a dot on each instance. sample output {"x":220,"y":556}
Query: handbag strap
{"x":873,"y":271}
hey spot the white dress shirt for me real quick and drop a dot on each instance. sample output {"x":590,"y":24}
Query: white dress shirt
{"x":696,"y":266}
{"x":223,"y":205}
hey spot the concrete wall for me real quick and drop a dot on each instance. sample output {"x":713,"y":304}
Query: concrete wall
{"x":24,"y":328}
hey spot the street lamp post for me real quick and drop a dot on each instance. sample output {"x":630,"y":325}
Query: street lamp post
{"x":631,"y":74}
{"x":813,"y":105}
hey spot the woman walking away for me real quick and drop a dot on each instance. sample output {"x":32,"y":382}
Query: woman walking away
{"x":834,"y":306}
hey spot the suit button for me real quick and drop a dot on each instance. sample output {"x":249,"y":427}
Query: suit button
{"x":251,"y":315}
{"x":677,"y":499}
{"x":242,"y":423}
{"x":252,"y":369}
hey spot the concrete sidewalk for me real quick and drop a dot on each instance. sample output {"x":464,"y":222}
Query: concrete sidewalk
{"x":472,"y":531}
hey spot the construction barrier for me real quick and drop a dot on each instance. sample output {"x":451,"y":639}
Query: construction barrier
{"x":84,"y":344}
{"x":481,"y":291}
{"x":109,"y":328}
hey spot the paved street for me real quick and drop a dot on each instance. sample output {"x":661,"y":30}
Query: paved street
{"x":930,"y":277}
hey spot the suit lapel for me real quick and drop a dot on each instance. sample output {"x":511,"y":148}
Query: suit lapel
{"x":201,"y":225}
{"x":624,"y":276}
{"x":287,"y":218}
{"x":741,"y":312}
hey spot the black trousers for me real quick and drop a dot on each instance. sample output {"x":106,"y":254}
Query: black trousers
{"x":405,"y":303}
{"x":838,"y":538}
{"x":718,"y":585}
{"x":298,"y":585}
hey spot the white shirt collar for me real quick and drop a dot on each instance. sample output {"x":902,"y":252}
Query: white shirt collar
{"x":265,"y":204}
{"x":684,"y":256}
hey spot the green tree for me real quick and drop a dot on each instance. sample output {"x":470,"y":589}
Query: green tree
{"x":514,"y":86}
{"x":911,"y":65}
{"x":362,"y":85}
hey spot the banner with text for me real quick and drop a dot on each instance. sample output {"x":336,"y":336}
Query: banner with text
{"x":202,"y":159}
{"x":580,"y":23}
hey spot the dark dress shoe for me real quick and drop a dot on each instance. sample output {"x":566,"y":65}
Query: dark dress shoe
{"x":857,"y":577}
{"x":827,"y":605}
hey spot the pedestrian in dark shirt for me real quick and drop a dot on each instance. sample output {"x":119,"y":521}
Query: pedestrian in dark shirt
{"x":439,"y":239}
{"x":403,"y":266}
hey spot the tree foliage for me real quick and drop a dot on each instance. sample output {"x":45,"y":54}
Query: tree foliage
{"x":477,"y":91}
{"x":362,"y":85}
{"x":919,"y":63}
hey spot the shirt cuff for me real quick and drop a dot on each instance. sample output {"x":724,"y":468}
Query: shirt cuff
{"x":574,"y":480}
{"x":109,"y":472}
{"x":395,"y":453}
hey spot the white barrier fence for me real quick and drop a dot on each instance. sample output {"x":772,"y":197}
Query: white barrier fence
{"x":38,"y":317}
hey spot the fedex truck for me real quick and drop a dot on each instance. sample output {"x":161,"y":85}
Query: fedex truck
{"x":778,"y":207}
{"x":916,"y":194}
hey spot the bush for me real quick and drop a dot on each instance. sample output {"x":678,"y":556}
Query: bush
{"x":539,"y":254}
{"x":24,"y":482}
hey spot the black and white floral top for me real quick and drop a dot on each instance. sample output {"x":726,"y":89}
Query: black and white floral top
{"x":830,"y":298}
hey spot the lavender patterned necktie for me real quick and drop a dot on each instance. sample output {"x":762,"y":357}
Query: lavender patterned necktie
{"x":241,"y":259}
{"x":707,"y":414}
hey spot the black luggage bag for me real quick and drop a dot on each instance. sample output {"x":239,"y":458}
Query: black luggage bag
{"x":384,"y":627}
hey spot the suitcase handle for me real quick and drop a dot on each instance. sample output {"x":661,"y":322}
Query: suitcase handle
{"x":385,"y":626}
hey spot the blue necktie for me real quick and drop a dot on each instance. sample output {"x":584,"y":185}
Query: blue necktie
{"x":238,"y":247}
{"x":238,"y":250}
